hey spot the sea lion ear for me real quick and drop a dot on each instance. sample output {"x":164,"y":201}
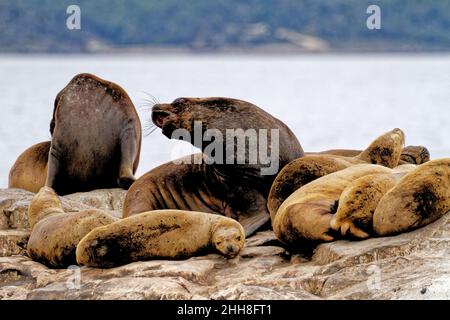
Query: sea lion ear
{"x":52,"y":126}
{"x":180,"y":101}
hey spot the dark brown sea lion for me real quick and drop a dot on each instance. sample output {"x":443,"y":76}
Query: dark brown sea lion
{"x":96,"y":137}
{"x":235,"y":190}
{"x":30,"y":169}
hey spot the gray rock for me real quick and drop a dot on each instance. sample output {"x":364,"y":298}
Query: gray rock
{"x":14,"y":205}
{"x":414,"y":265}
{"x":13,"y":242}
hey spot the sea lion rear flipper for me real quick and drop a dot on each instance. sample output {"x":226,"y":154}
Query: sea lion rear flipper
{"x":254,"y":222}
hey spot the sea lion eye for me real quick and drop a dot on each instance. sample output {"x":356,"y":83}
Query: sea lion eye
{"x":179,"y":101}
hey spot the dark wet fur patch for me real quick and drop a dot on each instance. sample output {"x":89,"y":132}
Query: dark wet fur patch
{"x":121,"y":249}
{"x":118,"y":249}
{"x":425,"y":198}
{"x":334,"y":207}
{"x":382,"y":152}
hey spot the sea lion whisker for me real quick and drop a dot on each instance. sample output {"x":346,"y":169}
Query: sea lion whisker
{"x":149,"y":128}
{"x":152,"y":97}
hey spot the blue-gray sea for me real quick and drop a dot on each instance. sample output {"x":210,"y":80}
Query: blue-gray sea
{"x":329,"y":101}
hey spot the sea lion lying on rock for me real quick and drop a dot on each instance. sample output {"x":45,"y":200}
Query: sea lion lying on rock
{"x":365,"y":200}
{"x":55,"y":233}
{"x":419,"y":198}
{"x":306,"y":214}
{"x":359,"y":200}
{"x":96,"y":141}
{"x":169,"y":234}
{"x":29,"y":172}
{"x":386,"y":150}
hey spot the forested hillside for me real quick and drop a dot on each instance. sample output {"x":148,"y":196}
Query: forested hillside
{"x":40,"y":25}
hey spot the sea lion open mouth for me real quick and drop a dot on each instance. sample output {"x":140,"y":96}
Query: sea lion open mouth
{"x":159,"y":116}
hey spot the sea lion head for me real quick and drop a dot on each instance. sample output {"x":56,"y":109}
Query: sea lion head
{"x":228,"y":238}
{"x":415,"y":154}
{"x":386,"y":149}
{"x":213,"y":113}
{"x":234,"y":125}
{"x":44,"y":203}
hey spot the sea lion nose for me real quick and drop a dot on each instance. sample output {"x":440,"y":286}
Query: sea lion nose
{"x":159,"y":114}
{"x":156,"y":107}
{"x":232,"y":249}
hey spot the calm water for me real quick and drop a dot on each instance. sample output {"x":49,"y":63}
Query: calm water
{"x":328,"y":101}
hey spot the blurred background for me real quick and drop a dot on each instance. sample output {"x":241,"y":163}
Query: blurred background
{"x":314,"y":64}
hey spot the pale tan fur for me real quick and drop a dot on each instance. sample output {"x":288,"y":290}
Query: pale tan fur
{"x":307,"y":213}
{"x":160,"y":234}
{"x":419,"y":198}
{"x":385,"y":150}
{"x":359,"y":200}
{"x":30,"y":169}
{"x":55,"y":234}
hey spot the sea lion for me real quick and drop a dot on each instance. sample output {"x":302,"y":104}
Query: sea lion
{"x":235,"y":190}
{"x":306,"y":214}
{"x":359,"y":200}
{"x":54,"y":233}
{"x":385,"y":150}
{"x":419,"y":198}
{"x":172,"y":234}
{"x":410,"y":154}
{"x":30,"y":169}
{"x":96,"y":137}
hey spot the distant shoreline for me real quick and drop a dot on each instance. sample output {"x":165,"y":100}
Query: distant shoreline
{"x":229,"y":53}
{"x":268,"y":49}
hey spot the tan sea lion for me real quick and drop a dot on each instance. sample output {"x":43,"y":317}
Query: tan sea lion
{"x":359,"y":200}
{"x":306,"y":214}
{"x":410,"y":154}
{"x":30,"y":169}
{"x":235,"y":190}
{"x":419,"y":198}
{"x":54,"y":233}
{"x":385,"y":150}
{"x":162,"y":234}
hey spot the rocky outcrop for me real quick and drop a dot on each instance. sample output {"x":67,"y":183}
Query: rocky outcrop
{"x":412,"y":265}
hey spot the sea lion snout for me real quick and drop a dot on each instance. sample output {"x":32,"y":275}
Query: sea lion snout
{"x":400,"y":134}
{"x":232,"y":250}
{"x":229,"y":239}
{"x":160,"y":113}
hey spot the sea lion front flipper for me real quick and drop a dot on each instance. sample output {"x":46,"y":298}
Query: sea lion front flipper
{"x":254,"y":222}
